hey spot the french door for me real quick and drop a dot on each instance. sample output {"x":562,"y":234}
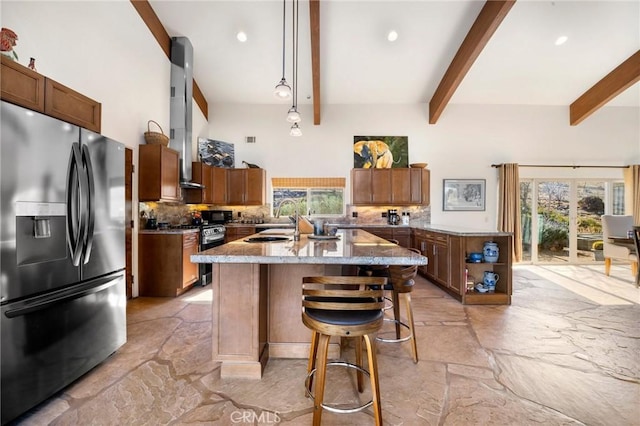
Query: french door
{"x":561,"y":218}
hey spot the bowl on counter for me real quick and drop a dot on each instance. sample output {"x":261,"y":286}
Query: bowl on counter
{"x":418,"y":165}
{"x":475,"y":257}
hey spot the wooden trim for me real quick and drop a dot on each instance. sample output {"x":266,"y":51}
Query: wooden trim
{"x":336,"y":182}
{"x":488,"y":20}
{"x":198,"y":96}
{"x":152,"y":21}
{"x":158,"y":31}
{"x":314,"y":26}
{"x":617,"y":81}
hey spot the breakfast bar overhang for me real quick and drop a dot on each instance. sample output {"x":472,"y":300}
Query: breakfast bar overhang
{"x":257,"y":292}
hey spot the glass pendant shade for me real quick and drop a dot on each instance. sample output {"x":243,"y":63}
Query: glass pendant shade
{"x":283,"y":91}
{"x":295,"y":130}
{"x":293,"y":116}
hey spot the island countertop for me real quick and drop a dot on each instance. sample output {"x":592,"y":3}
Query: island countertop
{"x":352,"y":247}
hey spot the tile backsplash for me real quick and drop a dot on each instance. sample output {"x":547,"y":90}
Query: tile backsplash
{"x":177,"y":214}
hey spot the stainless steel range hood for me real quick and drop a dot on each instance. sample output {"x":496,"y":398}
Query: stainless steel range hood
{"x":182,"y":106}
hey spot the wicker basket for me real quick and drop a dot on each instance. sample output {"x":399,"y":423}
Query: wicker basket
{"x":155,"y":138}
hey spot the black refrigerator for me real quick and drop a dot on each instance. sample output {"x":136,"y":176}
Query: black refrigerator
{"x":62,"y":241}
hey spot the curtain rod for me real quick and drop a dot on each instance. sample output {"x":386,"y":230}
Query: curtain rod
{"x":570,"y":166}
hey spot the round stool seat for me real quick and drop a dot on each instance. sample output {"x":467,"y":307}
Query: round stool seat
{"x":354,"y":318}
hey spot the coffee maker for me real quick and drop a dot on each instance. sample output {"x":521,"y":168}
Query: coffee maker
{"x":392,"y":217}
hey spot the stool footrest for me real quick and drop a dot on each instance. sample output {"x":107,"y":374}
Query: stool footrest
{"x":401,"y":339}
{"x":330,"y":407}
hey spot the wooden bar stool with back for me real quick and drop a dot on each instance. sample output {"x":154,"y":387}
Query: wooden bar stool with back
{"x":347,"y":307}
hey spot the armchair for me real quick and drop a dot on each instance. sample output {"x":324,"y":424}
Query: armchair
{"x":617,"y":226}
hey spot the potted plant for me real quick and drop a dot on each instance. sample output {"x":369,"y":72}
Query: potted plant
{"x":596,"y":248}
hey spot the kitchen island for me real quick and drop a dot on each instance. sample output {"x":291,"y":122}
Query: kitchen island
{"x":257,"y":292}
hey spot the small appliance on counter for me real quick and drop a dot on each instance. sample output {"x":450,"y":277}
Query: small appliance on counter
{"x":392,"y":217}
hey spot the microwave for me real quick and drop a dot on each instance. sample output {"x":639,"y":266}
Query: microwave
{"x":217,"y":216}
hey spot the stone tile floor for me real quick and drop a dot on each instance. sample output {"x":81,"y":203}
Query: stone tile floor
{"x":567,"y":351}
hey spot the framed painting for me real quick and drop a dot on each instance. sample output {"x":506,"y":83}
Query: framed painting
{"x":380,"y":152}
{"x":463,"y":195}
{"x":216,"y":153}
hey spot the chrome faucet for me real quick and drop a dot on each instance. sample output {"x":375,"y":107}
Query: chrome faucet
{"x":296,"y":232}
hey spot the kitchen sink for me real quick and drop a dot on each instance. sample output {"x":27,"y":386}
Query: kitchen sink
{"x":269,"y":239}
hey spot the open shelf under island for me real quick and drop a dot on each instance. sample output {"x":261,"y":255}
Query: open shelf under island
{"x":257,"y":292}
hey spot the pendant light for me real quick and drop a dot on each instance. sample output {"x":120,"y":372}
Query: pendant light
{"x":295,"y":130}
{"x":283,"y":91}
{"x":293,"y":115}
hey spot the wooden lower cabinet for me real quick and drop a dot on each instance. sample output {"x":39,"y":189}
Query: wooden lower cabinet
{"x":165,"y":266}
{"x":448,"y":267}
{"x":402,"y":235}
{"x":234,"y":232}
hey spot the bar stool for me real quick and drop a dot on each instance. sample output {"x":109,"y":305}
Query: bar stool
{"x":376,"y":270}
{"x":401,"y":281}
{"x":345,"y":306}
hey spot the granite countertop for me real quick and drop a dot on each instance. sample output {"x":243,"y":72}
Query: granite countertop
{"x":352,"y":247}
{"x":461,"y":230}
{"x":169,"y":231}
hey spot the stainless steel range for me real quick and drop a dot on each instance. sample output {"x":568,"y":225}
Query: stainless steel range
{"x":211,"y":235}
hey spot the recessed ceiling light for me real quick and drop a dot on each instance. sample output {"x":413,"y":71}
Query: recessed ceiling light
{"x":241,"y":36}
{"x":561,"y":40}
{"x":392,"y":36}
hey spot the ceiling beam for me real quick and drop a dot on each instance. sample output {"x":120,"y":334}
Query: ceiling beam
{"x":161,"y":35}
{"x":314,"y":24}
{"x":617,"y":81}
{"x":488,"y":20}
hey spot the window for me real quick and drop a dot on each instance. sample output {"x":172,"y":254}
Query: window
{"x":319,"y":196}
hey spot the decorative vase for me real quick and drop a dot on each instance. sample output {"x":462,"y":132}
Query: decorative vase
{"x":490,"y":252}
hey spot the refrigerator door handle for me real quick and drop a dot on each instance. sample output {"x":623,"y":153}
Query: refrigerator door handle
{"x":90,"y":211}
{"x":73,"y":219}
{"x":64,"y":296}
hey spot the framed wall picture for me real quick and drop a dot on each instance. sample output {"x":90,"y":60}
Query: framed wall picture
{"x":216,"y":153}
{"x":380,"y":152}
{"x":463,"y":195}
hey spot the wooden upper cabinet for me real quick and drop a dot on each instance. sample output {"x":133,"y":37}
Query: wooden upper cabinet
{"x":246,"y":186}
{"x":420,"y":186}
{"x":200,"y":173}
{"x":218,"y":185}
{"x":235,"y":186}
{"x":400,"y":186}
{"x":159,"y":176}
{"x":21,"y":86}
{"x":68,"y":105}
{"x":256,"y":190}
{"x":361,"y":186}
{"x":28,"y":89}
{"x":380,"y":186}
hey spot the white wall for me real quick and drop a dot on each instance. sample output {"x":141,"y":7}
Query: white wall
{"x":462,"y":145}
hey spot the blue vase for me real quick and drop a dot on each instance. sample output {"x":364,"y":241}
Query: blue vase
{"x":490,"y":252}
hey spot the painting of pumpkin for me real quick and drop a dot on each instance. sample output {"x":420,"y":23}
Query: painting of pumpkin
{"x":380,"y":152}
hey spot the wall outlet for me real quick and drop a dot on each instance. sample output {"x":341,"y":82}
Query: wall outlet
{"x":250,"y":139}
{"x":354,"y":214}
{"x":384,"y":214}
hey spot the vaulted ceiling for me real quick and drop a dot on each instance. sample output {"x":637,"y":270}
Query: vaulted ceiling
{"x":508,"y":55}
